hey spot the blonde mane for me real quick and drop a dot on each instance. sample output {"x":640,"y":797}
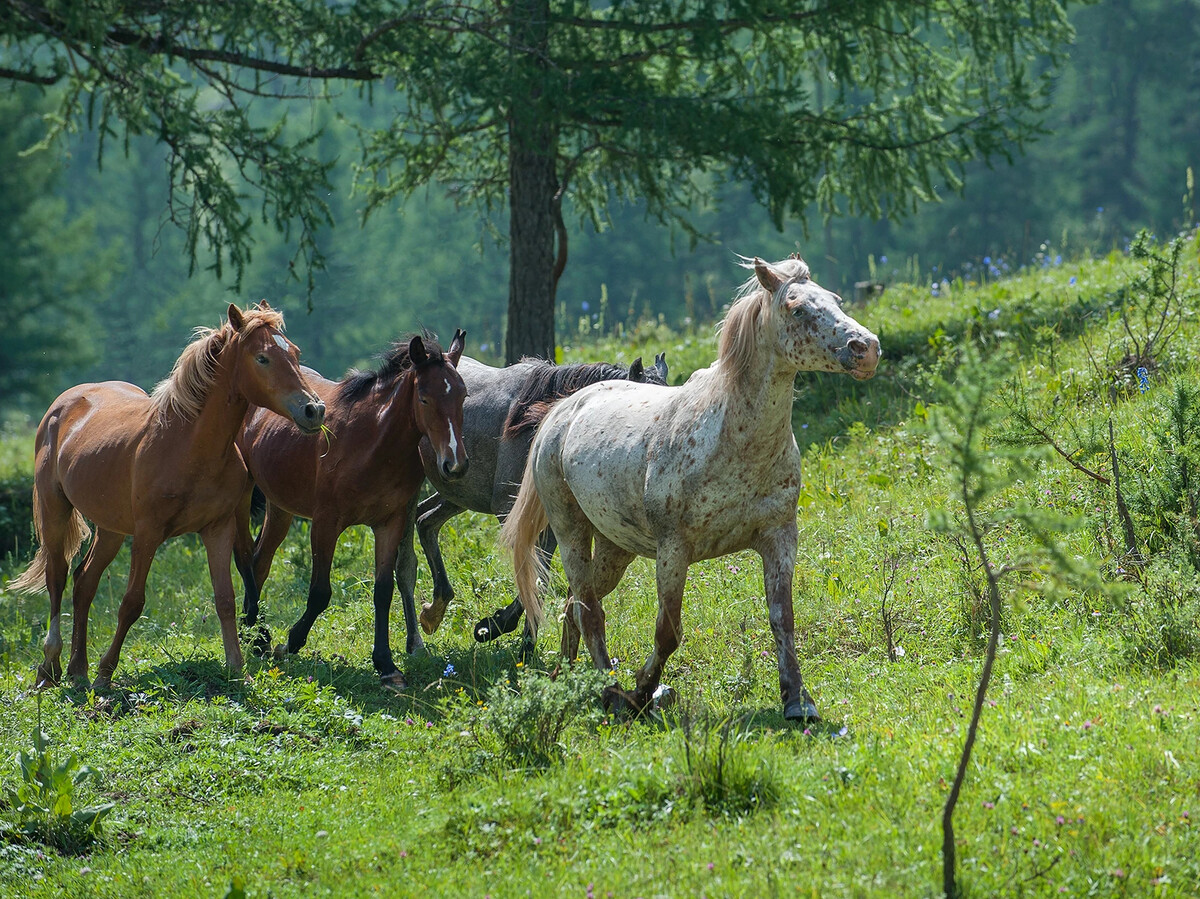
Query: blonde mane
{"x":185,"y":390}
{"x":740,"y":332}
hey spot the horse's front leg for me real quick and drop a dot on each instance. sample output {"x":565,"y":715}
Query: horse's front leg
{"x":778,"y":550}
{"x":387,"y":540}
{"x":670,"y":571}
{"x":218,"y":543}
{"x":323,"y":539}
{"x":431,"y":515}
{"x":406,"y":580}
{"x":141,"y":555}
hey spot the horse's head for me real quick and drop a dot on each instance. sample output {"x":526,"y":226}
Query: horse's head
{"x":656,"y":374}
{"x":815,"y":334}
{"x":268,"y":368}
{"x":438,"y":404}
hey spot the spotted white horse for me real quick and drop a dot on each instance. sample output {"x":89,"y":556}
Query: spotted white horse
{"x":681,"y":474}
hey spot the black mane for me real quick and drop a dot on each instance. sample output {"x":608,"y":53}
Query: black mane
{"x":358,"y":384}
{"x":548,"y":382}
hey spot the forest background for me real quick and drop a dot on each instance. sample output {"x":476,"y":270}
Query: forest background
{"x":95,"y":283}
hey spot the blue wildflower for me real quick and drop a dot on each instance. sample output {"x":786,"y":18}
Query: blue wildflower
{"x":1073,"y":279}
{"x":987,"y":260}
{"x":585,"y":306}
{"x":449,"y":672}
{"x":883,"y":260}
{"x":1143,"y":379}
{"x":1058,"y":259}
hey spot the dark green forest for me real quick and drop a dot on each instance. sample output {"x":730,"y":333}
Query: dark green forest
{"x":97,"y":281}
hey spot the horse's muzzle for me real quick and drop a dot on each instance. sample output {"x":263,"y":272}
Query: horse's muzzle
{"x":310,"y":416}
{"x":861,"y":357}
{"x":452,"y":471}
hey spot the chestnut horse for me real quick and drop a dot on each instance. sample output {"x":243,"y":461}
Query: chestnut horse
{"x":155,"y":467}
{"x":367,"y":471}
{"x":680,"y":474}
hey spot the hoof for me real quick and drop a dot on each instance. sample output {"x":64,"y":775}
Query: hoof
{"x":418,"y":648}
{"x":431,"y":616}
{"x":46,"y":677}
{"x":664,"y":697}
{"x":622,"y":702}
{"x":81,"y":682}
{"x":394,"y":682}
{"x":102,"y":683}
{"x":801,"y":710}
{"x":258,"y":638}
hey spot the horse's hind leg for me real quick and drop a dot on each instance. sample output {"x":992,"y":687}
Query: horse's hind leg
{"x":592,"y":575}
{"x":86,"y":581}
{"x":431,"y":515}
{"x":56,"y":519}
{"x":274,"y":531}
{"x":505,"y":621}
{"x":132,"y":604}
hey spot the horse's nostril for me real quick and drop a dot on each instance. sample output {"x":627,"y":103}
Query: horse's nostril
{"x":857,"y":346}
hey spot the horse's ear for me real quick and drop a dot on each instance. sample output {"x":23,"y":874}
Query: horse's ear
{"x":637,"y":372}
{"x":236,"y":319}
{"x":767,"y":276}
{"x":416,"y":351}
{"x":660,"y":362}
{"x":264,"y":306}
{"x":457,"y":345}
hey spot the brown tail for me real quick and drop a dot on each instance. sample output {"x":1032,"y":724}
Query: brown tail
{"x":33,"y":579}
{"x":519,"y":536}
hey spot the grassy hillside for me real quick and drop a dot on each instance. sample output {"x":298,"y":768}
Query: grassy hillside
{"x":305,"y":778}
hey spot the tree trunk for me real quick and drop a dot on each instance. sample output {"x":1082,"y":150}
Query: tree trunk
{"x":532,"y":148}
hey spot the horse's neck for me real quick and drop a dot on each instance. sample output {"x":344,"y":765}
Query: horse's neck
{"x":758,"y":406}
{"x":398,"y":430}
{"x":214,"y":429}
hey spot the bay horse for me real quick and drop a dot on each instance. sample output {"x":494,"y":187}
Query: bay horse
{"x":367,"y":472}
{"x":681,"y":474}
{"x":497,"y":438}
{"x":154,"y":467}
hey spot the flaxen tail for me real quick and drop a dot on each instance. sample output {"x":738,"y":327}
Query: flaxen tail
{"x":33,"y":580}
{"x":519,"y":536}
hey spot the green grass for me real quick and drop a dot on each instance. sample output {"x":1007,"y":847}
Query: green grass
{"x":305,"y":778}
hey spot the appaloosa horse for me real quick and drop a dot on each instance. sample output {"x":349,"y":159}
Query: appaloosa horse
{"x":367,"y":470}
{"x":497,"y":437}
{"x":155,"y":467}
{"x":681,"y":474}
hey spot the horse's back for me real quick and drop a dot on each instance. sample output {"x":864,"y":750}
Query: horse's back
{"x":601,"y":443}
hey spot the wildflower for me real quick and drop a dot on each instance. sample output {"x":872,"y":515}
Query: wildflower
{"x":1119,"y":872}
{"x":710,"y":866}
{"x":1143,"y":380}
{"x":989,"y":805}
{"x":449,"y":672}
{"x":1087,"y":725}
{"x":483,"y":347}
{"x":883,"y":261}
{"x":409,"y":721}
{"x":1060,"y":820}
{"x":1073,"y":280}
{"x":585,"y":305}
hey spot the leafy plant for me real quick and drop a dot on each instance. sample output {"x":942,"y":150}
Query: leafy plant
{"x":529,"y":719}
{"x":46,"y":800}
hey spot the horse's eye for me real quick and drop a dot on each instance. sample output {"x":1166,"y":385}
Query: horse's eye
{"x":424,"y":401}
{"x":262,"y":359}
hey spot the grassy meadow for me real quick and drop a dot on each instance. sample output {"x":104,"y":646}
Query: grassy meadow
{"x":484,"y":778}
